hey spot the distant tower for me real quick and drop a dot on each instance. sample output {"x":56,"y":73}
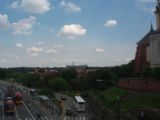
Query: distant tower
{"x":73,"y":64}
{"x":157,"y":13}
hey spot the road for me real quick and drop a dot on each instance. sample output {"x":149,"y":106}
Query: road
{"x":69,"y":102}
{"x":23,"y":111}
{"x":30,"y":110}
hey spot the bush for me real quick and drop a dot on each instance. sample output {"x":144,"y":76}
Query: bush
{"x":156,"y":73}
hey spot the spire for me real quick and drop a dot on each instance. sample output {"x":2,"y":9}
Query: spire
{"x":157,"y":13}
{"x":151,"y":29}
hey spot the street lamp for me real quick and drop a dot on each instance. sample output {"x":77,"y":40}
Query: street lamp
{"x":118,"y":107}
{"x":2,"y":105}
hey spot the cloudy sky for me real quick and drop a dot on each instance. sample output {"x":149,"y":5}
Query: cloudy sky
{"x":57,"y":32}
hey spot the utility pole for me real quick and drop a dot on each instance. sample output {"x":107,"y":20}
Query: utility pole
{"x":2,"y":105}
{"x":118,"y":107}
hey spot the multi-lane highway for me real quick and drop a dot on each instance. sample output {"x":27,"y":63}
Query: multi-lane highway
{"x":30,"y":110}
{"x":24,"y":111}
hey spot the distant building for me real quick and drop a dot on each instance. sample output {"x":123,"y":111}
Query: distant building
{"x":81,"y":67}
{"x":148,"y":48}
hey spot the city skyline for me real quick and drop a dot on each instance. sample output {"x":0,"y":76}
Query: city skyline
{"x":54,"y":33}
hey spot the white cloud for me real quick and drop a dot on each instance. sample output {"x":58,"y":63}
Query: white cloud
{"x":129,"y":59}
{"x":24,"y":26}
{"x":99,"y":50}
{"x":147,"y":1}
{"x":40,"y":43}
{"x":34,"y":51}
{"x":58,"y":46}
{"x":3,"y":60}
{"x":110,"y":23}
{"x":4,"y":23}
{"x":72,"y":30}
{"x":13,"y":58}
{"x":51,"y":51}
{"x":19,"y":45}
{"x":15,"y":5}
{"x":32,"y":6}
{"x":70,"y":7}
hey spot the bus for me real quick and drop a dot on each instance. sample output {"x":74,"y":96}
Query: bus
{"x":79,"y":104}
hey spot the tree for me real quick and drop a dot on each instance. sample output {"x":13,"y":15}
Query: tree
{"x":58,"y":83}
{"x":125,"y":70}
{"x":156,"y":73}
{"x":3,"y":73}
{"x":68,"y":74}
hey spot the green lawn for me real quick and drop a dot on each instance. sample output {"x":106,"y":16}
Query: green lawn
{"x":137,"y":99}
{"x":128,"y":99}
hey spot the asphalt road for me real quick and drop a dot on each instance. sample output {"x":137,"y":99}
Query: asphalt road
{"x":69,"y":102}
{"x":23,"y":111}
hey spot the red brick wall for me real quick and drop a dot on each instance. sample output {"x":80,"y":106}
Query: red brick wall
{"x":145,"y":85}
{"x":140,"y":58}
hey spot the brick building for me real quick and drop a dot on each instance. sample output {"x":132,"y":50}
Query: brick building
{"x":148,"y":48}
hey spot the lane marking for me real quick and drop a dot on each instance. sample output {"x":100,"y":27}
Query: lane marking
{"x":16,"y":113}
{"x":46,"y":117}
{"x":28,"y":111}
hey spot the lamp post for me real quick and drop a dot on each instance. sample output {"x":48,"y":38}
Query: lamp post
{"x":118,"y":107}
{"x":3,"y":105}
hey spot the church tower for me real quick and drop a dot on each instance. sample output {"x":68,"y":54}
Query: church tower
{"x":148,"y":48}
{"x":157,"y":13}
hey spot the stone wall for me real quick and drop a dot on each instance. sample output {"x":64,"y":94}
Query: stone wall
{"x":139,"y":84}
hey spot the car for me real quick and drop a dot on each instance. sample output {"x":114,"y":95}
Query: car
{"x":63,"y":98}
{"x":69,"y":111}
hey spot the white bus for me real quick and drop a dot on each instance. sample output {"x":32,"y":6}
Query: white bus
{"x":79,"y":104}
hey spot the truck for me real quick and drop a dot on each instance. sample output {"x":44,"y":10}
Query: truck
{"x":9,"y":106}
{"x":18,"y":98}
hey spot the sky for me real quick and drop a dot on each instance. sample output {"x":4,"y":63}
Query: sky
{"x":54,"y":33}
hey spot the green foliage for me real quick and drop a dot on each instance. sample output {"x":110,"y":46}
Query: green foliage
{"x":151,"y":73}
{"x":68,"y":74}
{"x":147,"y":72}
{"x":109,"y":96}
{"x":3,"y":73}
{"x":129,"y":100}
{"x":156,"y":73}
{"x":58,"y":83}
{"x":101,"y":79}
{"x":31,"y":80}
{"x":80,"y":84}
{"x":125,"y":70}
{"x":47,"y":92}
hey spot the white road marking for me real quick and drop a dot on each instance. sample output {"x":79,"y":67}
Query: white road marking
{"x":28,"y":111}
{"x":74,"y":118}
{"x":83,"y":118}
{"x":46,"y":118}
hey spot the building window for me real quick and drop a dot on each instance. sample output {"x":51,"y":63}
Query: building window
{"x":159,"y":48}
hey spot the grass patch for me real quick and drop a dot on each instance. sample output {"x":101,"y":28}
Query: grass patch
{"x":109,"y":97}
{"x":128,"y":99}
{"x":139,"y":99}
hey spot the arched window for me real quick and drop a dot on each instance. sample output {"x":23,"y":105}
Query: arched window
{"x":159,"y":48}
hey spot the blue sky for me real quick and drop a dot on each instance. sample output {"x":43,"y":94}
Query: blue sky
{"x":51,"y":33}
